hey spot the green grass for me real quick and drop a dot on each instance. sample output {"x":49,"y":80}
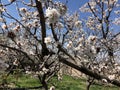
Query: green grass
{"x":23,"y":81}
{"x":67,"y":83}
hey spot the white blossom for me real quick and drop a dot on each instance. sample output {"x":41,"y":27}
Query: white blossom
{"x":2,"y":9}
{"x":35,"y":23}
{"x":112,"y":1}
{"x":52,"y":88}
{"x":28,"y":72}
{"x":45,"y":70}
{"x":92,"y":4}
{"x":79,"y":47}
{"x":117,"y":21}
{"x":4,"y":26}
{"x":52,"y":15}
{"x":62,"y":9}
{"x":36,"y":13}
{"x":84,"y":8}
{"x":17,"y":28}
{"x":16,"y":62}
{"x":93,"y":48}
{"x":99,"y":26}
{"x":48,"y":40}
{"x":60,"y":74}
{"x":78,"y":24}
{"x":31,"y":52}
{"x":118,"y":68}
{"x":104,"y":80}
{"x":92,"y":39}
{"x":69,"y":45}
{"x":81,"y":39}
{"x":111,"y":77}
{"x":43,"y":1}
{"x":23,"y":10}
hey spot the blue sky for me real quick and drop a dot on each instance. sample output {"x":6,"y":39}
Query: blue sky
{"x":73,"y":5}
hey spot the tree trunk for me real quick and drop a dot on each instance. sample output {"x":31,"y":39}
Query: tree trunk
{"x":43,"y":82}
{"x":88,"y":86}
{"x":45,"y":86}
{"x":89,"y":83}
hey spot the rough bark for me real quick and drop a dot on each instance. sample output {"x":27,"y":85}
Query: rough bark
{"x":45,"y":51}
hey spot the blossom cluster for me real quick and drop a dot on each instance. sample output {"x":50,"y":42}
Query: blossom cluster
{"x":92,"y":23}
{"x":52,"y":14}
{"x":117,"y":21}
{"x":48,"y":40}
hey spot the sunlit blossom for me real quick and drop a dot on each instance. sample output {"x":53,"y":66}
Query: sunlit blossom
{"x":104,"y":80}
{"x":60,"y":74}
{"x":28,"y":72}
{"x":112,"y":1}
{"x":93,"y":49}
{"x":62,"y":9}
{"x":43,"y":1}
{"x":23,"y":10}
{"x":81,"y":39}
{"x":78,"y":24}
{"x":17,"y":28}
{"x":69,"y":45}
{"x":45,"y":70}
{"x":84,"y":8}
{"x":2,"y":9}
{"x":36,"y":13}
{"x":79,"y":47}
{"x":52,"y":15}
{"x":31,"y":52}
{"x":52,"y":88}
{"x":48,"y":40}
{"x":16,"y":62}
{"x":20,"y":43}
{"x":92,"y":39}
{"x":92,"y":4}
{"x":35,"y":23}
{"x":117,"y":21}
{"x":99,"y":26}
{"x":111,"y":77}
{"x":4,"y":26}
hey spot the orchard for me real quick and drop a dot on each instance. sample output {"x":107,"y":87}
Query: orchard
{"x":41,"y":37}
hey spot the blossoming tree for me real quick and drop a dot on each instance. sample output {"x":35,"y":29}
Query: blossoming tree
{"x":42,"y":35}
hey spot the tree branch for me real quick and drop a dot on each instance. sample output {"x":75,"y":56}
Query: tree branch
{"x":88,"y":72}
{"x":43,"y":27}
{"x":18,"y":50}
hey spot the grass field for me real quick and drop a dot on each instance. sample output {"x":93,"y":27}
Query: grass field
{"x":70,"y":83}
{"x":67,"y":83}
